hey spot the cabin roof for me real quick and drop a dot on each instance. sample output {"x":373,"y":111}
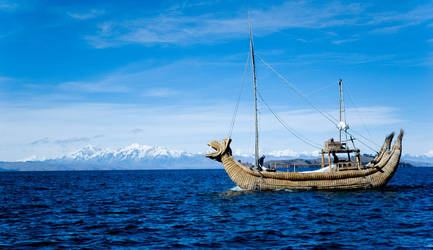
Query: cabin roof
{"x":339,"y":151}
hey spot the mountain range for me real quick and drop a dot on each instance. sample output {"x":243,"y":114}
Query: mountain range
{"x":138,"y":156}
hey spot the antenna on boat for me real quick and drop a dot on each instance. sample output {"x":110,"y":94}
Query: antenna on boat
{"x":256,"y":148}
{"x":342,"y":125}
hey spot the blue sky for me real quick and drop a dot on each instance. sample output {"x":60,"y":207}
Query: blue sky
{"x":111,"y":73}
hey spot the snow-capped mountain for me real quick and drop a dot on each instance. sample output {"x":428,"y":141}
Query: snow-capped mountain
{"x":139,"y":153}
{"x":134,"y":152}
{"x":419,"y":160}
{"x":136,"y":156}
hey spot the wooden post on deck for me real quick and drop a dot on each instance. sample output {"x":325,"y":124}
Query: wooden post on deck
{"x":323,"y":159}
{"x":358,"y":161}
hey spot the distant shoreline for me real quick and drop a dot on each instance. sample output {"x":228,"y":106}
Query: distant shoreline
{"x":2,"y":170}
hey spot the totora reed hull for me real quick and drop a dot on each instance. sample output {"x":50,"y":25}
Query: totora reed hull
{"x":376,"y":174}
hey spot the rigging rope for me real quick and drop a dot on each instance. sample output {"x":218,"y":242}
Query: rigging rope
{"x":329,"y":117}
{"x":363,"y":143}
{"x":235,"y":112}
{"x":323,"y":88}
{"x":362,"y":120}
{"x":297,"y":135}
{"x":365,"y":138}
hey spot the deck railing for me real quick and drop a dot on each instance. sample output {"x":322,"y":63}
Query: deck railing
{"x":291,"y":166}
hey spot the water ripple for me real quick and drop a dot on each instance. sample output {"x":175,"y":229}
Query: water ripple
{"x":203,"y":209}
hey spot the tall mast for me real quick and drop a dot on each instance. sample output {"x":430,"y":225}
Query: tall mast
{"x":344,"y":109}
{"x":340,"y":83}
{"x":256,"y":149}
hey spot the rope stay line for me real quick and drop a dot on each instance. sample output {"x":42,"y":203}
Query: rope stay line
{"x":322,"y":88}
{"x":329,"y":117}
{"x":360,"y":116}
{"x":363,"y":143}
{"x":366,"y":139}
{"x":297,"y":135}
{"x":235,"y":112}
{"x":281,"y":121}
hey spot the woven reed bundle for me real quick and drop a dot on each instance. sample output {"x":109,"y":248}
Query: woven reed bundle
{"x":377,"y":173}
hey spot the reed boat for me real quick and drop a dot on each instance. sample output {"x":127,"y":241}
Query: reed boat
{"x":334,"y":173}
{"x":375,"y":174}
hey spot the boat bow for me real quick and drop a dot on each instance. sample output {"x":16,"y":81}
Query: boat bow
{"x":221,"y":148}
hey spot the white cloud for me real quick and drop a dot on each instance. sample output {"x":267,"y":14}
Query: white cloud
{"x":146,"y":79}
{"x":187,"y":128}
{"x":419,"y":14}
{"x":4,"y":79}
{"x":393,"y":28}
{"x":276,"y":153}
{"x":136,"y":77}
{"x":342,"y":58}
{"x":306,"y":120}
{"x":137,"y":131}
{"x":429,"y":153}
{"x":40,"y":141}
{"x":32,"y":158}
{"x":291,"y":153}
{"x":64,"y":141}
{"x":427,"y":61}
{"x":106,"y":85}
{"x":301,"y":40}
{"x":395,"y":21}
{"x":208,"y":28}
{"x":86,"y":15}
{"x":345,"y":41}
{"x":72,"y":140}
{"x":160,"y":92}
{"x":173,"y":27}
{"x":8,"y":5}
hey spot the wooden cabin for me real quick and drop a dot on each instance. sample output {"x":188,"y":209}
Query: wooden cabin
{"x":333,"y":148}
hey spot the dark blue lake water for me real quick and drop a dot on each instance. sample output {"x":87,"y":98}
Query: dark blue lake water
{"x":197,"y":208}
